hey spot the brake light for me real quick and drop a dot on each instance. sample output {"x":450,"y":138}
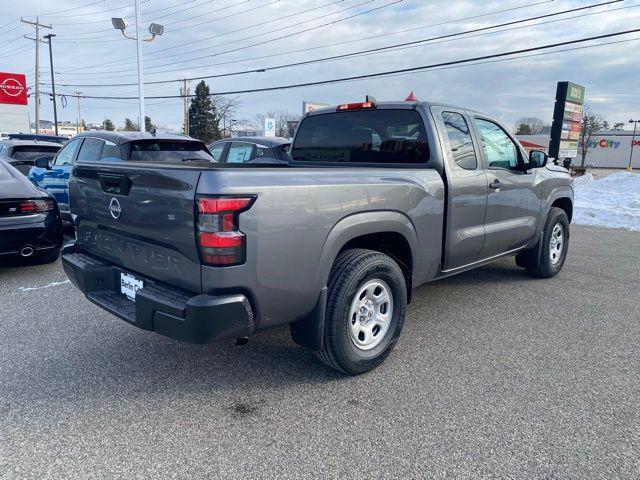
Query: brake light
{"x":356,"y":106}
{"x":220,"y":241}
{"x":26,"y":207}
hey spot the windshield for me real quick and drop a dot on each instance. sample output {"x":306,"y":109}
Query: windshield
{"x":28,"y":152}
{"x":362,"y":136}
{"x":169,"y":151}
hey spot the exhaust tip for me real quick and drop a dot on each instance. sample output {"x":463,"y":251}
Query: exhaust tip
{"x":27,"y":251}
{"x":242,"y":341}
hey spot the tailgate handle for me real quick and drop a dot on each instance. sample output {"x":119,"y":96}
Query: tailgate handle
{"x":115,"y":183}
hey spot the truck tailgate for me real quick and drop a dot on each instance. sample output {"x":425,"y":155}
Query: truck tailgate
{"x":139,"y":217}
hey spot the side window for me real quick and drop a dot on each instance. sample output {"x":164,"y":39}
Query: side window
{"x":460,"y":140}
{"x":111,"y":153}
{"x":216,"y":150}
{"x":499,"y":149}
{"x":239,"y":152}
{"x":68,"y":152}
{"x":90,"y":150}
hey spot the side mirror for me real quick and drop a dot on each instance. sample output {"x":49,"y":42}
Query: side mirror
{"x":537,"y":159}
{"x":42,"y":162}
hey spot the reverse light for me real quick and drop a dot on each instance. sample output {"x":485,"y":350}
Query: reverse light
{"x":220,"y":241}
{"x":356,"y":106}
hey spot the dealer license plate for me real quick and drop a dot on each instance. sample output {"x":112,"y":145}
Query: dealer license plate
{"x":129,"y":285}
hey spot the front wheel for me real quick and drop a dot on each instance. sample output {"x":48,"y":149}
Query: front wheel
{"x":366,"y":305}
{"x":547,"y":259}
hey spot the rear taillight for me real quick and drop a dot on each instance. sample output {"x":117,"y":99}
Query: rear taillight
{"x":220,"y":241}
{"x":26,"y":207}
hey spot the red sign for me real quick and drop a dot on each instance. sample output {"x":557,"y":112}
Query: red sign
{"x":13,"y":88}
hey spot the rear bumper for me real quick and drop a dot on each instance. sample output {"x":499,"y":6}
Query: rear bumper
{"x":159,"y":307}
{"x":41,"y":236}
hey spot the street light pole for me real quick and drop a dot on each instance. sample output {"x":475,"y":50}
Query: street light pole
{"x":155,"y":30}
{"x":633,"y":140}
{"x":140,"y":78}
{"x":53,"y":83}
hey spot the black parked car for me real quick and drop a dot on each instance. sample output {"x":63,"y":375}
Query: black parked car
{"x":30,"y":224}
{"x":251,"y":150}
{"x":22,"y":153}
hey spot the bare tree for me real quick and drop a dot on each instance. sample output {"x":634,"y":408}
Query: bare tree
{"x":530,"y":124}
{"x":225,"y":109}
{"x":591,"y":123}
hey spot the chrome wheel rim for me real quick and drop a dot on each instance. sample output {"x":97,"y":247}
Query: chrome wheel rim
{"x":370,"y":314}
{"x":556,"y":244}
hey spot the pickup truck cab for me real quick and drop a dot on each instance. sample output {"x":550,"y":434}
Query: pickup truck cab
{"x":377,"y":199}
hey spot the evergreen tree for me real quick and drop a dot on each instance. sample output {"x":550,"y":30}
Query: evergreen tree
{"x":107,"y":124}
{"x":524,"y":129}
{"x":203,"y":123}
{"x":148,"y":126}
{"x":130,"y":126}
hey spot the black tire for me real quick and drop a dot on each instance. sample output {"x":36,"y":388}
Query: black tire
{"x":538,"y":261}
{"x":48,"y":256}
{"x":353,"y":270}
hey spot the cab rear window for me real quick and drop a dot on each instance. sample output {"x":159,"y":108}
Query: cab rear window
{"x":168,"y":151}
{"x":382,"y":136}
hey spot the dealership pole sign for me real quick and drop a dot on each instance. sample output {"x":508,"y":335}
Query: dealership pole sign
{"x":567,"y":118}
{"x":13,"y":88}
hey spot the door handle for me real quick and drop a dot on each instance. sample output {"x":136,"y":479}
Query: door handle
{"x":495,"y":184}
{"x":114,"y":183}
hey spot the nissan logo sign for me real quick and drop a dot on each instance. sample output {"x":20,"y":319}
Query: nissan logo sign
{"x":114,"y":208}
{"x":11,"y":87}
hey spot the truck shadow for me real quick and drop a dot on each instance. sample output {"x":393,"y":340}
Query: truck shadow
{"x":108,"y":358}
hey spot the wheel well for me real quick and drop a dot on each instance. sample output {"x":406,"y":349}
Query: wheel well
{"x":390,"y":243}
{"x":566,"y":205}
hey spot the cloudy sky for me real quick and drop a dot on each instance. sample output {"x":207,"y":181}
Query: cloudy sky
{"x":213,"y":37}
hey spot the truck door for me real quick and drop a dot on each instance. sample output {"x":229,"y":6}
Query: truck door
{"x":466,"y":189}
{"x":513,"y":201}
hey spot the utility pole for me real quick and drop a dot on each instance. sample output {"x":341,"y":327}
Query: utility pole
{"x":78,"y":117}
{"x":140,"y":80}
{"x":184,"y":91}
{"x":37,"y":41}
{"x":53,"y":84}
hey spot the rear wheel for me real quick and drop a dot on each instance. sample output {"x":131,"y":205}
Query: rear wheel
{"x":547,"y":259}
{"x":366,"y":305}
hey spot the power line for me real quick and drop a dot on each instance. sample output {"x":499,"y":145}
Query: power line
{"x":94,"y":32}
{"x":408,"y":43}
{"x":423,"y":27}
{"x":371,"y":50}
{"x":389,"y":72}
{"x":125,"y":60}
{"x":50,"y":14}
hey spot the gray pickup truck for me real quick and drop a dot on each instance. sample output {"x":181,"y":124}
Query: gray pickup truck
{"x":378,"y":198}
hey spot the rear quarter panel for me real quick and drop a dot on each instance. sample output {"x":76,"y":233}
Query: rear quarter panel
{"x":303,"y":216}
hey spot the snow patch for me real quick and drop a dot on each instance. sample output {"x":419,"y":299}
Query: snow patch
{"x":48,"y":285}
{"x":612,"y":201}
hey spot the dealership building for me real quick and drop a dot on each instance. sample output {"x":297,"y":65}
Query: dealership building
{"x":607,"y":149}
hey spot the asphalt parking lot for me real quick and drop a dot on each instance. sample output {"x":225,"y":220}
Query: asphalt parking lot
{"x":496,"y":375}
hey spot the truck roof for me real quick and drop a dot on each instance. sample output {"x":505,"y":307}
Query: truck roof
{"x":121,"y":137}
{"x":395,"y":104}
